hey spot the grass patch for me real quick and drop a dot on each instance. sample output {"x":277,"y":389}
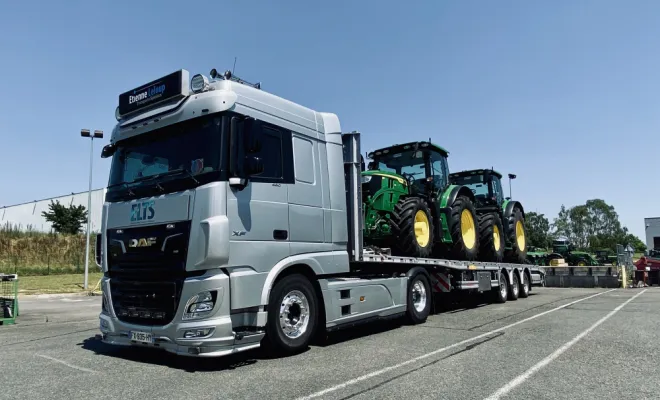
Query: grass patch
{"x":26,"y":251}
{"x":49,"y":284}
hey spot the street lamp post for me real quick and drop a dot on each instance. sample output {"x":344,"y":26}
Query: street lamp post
{"x":96,"y":135}
{"x":511,"y":176}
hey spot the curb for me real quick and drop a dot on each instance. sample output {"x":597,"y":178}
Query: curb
{"x":54,"y":295}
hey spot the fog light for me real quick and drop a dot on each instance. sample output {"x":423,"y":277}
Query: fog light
{"x":104,"y":325}
{"x":197,"y":333}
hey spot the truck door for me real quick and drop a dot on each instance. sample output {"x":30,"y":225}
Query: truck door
{"x":259,"y":214}
{"x":306,"y":214}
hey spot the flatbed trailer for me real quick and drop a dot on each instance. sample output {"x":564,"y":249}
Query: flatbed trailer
{"x":212,"y":263}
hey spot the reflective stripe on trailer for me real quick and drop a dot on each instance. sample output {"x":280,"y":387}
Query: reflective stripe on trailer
{"x":440,"y":282}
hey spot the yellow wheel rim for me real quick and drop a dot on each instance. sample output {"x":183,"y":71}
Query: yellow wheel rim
{"x":496,"y":237}
{"x":422,"y":231}
{"x":468,"y":229}
{"x":581,"y":264}
{"x":520,"y":235}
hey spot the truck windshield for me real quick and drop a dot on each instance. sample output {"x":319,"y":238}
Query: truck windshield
{"x":188,"y":152}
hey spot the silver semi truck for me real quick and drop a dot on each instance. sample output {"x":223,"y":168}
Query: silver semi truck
{"x":233,"y":219}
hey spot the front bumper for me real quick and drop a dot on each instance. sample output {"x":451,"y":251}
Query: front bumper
{"x":221,"y":340}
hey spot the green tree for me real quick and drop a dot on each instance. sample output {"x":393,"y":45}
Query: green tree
{"x":593,"y":225}
{"x":64,"y":219}
{"x":537,"y":228}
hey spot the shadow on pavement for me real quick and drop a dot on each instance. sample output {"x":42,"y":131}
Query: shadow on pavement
{"x":194,"y":364}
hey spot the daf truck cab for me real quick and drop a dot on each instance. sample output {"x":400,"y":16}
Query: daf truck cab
{"x":232,"y":219}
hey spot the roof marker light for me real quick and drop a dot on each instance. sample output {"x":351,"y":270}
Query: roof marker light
{"x":199,"y":83}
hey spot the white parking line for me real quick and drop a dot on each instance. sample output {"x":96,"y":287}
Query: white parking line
{"x":66,"y":363}
{"x":440,"y":350}
{"x":504,"y":390}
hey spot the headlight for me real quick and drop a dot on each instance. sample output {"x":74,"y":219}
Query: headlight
{"x":200,"y":305}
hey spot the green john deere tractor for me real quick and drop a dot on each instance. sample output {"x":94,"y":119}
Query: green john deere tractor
{"x":564,"y":249}
{"x":410,"y":206}
{"x":501,"y":221}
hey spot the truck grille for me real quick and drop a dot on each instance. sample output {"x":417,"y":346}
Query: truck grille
{"x":145,"y":303}
{"x":147,"y":267}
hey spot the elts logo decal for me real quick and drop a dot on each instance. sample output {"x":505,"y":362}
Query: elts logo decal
{"x":143,"y":211}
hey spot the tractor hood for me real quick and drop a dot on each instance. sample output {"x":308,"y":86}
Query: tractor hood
{"x":366,"y":175}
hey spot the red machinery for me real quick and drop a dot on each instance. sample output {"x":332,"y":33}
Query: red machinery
{"x":648,"y":268}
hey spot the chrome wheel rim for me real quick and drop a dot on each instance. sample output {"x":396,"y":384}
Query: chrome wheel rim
{"x":294,"y":314}
{"x":502,"y":285}
{"x":515,"y":286}
{"x":525,"y":283}
{"x":419,"y":296}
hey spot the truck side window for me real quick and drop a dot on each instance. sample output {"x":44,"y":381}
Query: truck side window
{"x":276,"y":154}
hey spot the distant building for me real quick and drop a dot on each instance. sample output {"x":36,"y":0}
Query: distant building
{"x":26,"y":215}
{"x":652,"y":227}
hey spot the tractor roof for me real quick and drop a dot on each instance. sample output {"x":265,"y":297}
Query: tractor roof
{"x":477,"y":172}
{"x":399,"y":148}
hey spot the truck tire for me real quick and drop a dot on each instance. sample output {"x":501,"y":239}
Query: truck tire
{"x":464,"y":230}
{"x":491,"y":238}
{"x":419,"y":297}
{"x":516,"y":238}
{"x":525,"y":286}
{"x":500,"y":294}
{"x":292,"y":315}
{"x":412,"y":227}
{"x":514,"y":287}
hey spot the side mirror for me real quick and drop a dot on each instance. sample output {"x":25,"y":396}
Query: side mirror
{"x":252,"y":142}
{"x":255,"y":165}
{"x":108,"y":150}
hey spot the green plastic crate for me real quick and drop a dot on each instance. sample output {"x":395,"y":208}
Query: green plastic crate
{"x":8,"y":299}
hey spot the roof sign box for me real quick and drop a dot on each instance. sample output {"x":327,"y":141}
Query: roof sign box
{"x":157,"y":91}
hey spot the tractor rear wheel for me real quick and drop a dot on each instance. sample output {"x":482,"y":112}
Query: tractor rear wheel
{"x":412,"y":227}
{"x":491,"y":238}
{"x":464,"y":230}
{"x":517,"y":240}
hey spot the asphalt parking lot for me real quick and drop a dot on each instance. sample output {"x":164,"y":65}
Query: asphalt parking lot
{"x":556,"y":344}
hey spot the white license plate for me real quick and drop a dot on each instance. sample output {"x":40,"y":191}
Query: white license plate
{"x":142,"y":337}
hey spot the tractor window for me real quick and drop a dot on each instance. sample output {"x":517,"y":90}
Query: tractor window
{"x":475,"y":183}
{"x":410,"y":163}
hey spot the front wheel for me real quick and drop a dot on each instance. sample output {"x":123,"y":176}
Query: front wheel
{"x":412,"y":226}
{"x":292,"y":315}
{"x":418,"y":299}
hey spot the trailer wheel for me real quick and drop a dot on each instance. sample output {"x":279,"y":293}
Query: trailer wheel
{"x":420,"y":294}
{"x":292,"y":314}
{"x":501,"y":293}
{"x":525,"y":286}
{"x":514,"y":288}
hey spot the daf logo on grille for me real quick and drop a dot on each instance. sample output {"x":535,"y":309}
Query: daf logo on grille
{"x":142,"y":242}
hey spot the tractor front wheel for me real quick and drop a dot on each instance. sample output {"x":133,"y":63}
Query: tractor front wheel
{"x":491,"y":238}
{"x":412,"y":227}
{"x":517,"y":240}
{"x":464,"y":230}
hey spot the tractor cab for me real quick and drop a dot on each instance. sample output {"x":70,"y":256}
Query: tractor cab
{"x":486,"y":184}
{"x":419,"y":166}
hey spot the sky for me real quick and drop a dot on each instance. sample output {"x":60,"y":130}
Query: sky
{"x":565,"y":94}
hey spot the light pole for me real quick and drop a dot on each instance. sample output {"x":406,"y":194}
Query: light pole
{"x":97,"y":135}
{"x":511,"y":176}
